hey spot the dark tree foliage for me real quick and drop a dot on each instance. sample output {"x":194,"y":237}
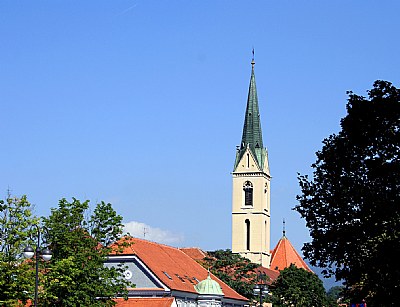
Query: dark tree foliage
{"x":298,"y":287}
{"x":80,"y":241}
{"x":335,"y":294}
{"x":352,"y":204}
{"x":237,"y":272}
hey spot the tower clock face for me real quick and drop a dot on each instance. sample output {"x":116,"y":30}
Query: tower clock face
{"x":128,"y":274}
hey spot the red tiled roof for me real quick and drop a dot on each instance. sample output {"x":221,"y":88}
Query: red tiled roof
{"x":194,"y":253}
{"x":272,"y":274}
{"x":198,"y":254}
{"x":181,"y":269}
{"x":284,"y":255}
{"x":145,"y":301}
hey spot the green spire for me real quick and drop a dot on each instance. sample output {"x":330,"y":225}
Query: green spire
{"x":252,"y":135}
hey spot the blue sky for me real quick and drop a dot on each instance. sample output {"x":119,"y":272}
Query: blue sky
{"x":141,"y":103}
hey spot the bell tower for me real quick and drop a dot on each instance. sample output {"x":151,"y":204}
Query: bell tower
{"x":251,"y":187}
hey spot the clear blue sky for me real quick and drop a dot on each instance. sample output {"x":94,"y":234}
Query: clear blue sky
{"x":141,"y":103}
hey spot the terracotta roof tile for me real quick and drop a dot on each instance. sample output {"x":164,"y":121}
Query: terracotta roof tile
{"x":198,"y":254}
{"x":194,"y":252}
{"x":183,"y":271}
{"x":272,"y":274}
{"x":148,"y":302}
{"x":284,"y":254}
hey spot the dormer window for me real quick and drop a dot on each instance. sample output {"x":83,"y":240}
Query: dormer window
{"x":248,"y":193}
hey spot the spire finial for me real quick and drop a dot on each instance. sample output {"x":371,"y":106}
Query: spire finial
{"x":252,"y":59}
{"x":284,"y":228}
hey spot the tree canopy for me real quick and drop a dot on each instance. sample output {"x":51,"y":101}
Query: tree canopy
{"x":335,"y":294}
{"x":236,"y":271}
{"x":352,"y":203}
{"x":80,"y":241}
{"x":298,"y":287}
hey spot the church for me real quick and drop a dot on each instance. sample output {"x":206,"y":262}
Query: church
{"x":169,"y":276}
{"x":251,"y":210}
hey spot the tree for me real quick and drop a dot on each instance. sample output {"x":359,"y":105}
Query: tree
{"x":335,"y":294}
{"x":80,"y":242}
{"x":352,"y":204}
{"x":15,"y":273}
{"x":234,"y":270}
{"x":298,"y":287}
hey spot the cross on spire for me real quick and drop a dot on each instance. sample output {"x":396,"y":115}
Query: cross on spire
{"x":284,"y":228}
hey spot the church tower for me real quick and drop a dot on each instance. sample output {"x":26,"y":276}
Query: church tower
{"x":251,"y":187}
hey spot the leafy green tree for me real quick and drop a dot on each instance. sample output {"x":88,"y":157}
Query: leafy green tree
{"x":352,"y":204}
{"x":237,"y":272}
{"x":335,"y":294}
{"x":298,"y":287}
{"x":15,"y":273}
{"x":80,"y":241}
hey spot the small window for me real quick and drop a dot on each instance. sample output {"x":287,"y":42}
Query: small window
{"x":248,"y":193}
{"x":181,"y":279}
{"x":189,"y":279}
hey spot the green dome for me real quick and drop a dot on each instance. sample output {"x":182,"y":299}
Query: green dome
{"x":209,"y":286}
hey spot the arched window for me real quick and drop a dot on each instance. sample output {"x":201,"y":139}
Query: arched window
{"x":248,"y":193}
{"x":247,"y":222}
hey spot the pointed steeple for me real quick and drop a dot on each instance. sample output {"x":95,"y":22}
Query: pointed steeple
{"x":252,"y":135}
{"x":284,"y":254}
{"x":251,"y":187}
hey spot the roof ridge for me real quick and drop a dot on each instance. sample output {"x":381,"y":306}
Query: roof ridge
{"x":190,"y":250}
{"x":299,"y":257}
{"x":153,"y":242}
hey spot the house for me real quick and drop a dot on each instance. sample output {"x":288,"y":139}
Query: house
{"x":166,"y":276}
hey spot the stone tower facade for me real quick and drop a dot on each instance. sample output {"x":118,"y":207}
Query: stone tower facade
{"x":251,"y":188}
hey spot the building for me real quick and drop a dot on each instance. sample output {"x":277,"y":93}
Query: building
{"x":284,"y":254}
{"x":251,"y":196}
{"x":167,"y":276}
{"x":251,"y":187}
